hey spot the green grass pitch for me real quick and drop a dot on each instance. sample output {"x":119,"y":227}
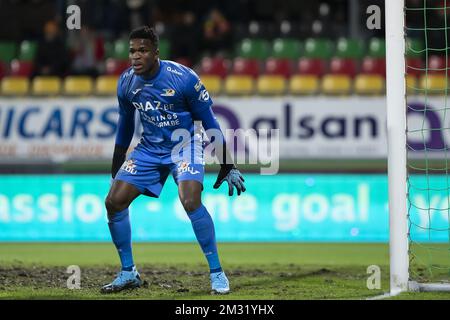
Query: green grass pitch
{"x":179,"y":271}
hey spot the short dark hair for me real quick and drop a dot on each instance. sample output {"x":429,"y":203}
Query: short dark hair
{"x":145,"y":32}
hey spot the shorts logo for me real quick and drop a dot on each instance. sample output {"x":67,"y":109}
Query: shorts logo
{"x":168,"y":93}
{"x":186,"y":167}
{"x":204,"y":95}
{"x":129,"y":166}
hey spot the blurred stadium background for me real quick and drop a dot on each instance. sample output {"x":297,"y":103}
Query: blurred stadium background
{"x":311,"y":69}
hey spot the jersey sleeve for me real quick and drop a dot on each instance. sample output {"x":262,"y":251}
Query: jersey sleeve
{"x":125,"y":127}
{"x":196,"y":94}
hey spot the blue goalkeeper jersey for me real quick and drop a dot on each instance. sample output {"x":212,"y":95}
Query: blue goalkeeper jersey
{"x":166,"y":102}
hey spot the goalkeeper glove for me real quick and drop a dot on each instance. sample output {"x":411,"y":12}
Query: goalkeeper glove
{"x":230,"y":174}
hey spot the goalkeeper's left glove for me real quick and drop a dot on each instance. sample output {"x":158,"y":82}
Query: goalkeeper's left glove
{"x":230,"y":174}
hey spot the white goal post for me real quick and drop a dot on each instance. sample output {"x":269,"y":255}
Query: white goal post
{"x":397,"y":152}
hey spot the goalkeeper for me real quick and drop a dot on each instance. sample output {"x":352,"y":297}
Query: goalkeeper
{"x":168,"y":96}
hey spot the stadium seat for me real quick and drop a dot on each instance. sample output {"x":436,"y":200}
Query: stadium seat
{"x":121,"y":49}
{"x":164,"y":49}
{"x":311,"y":66}
{"x":239,"y":85}
{"x":318,"y":48}
{"x":373,"y":65}
{"x":343,"y":66}
{"x":7,"y":51}
{"x":411,"y":84}
{"x":21,"y":68}
{"x":434,"y":84}
{"x":275,"y":66}
{"x":286,"y":48}
{"x":115,"y":66}
{"x":270,"y":85}
{"x":214,"y":66}
{"x":253,"y":49}
{"x":106,"y":85}
{"x":303,"y":84}
{"x":109,"y":49}
{"x":212,"y":83}
{"x":436,"y":64}
{"x":349,"y":48}
{"x":46,"y":85}
{"x":27,"y":50}
{"x":369,"y":84}
{"x":243,"y":66}
{"x":414,"y":48}
{"x":78,"y":85}
{"x":15,"y":86}
{"x":3,"y":70}
{"x":414,"y":66}
{"x":377,"y":48}
{"x":336,"y":84}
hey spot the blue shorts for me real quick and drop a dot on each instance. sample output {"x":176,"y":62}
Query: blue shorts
{"x":148,"y":171}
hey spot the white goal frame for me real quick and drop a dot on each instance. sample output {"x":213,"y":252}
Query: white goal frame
{"x":396,"y":135}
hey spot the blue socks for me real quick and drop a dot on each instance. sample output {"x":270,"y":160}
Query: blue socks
{"x":120,"y":229}
{"x":204,"y":231}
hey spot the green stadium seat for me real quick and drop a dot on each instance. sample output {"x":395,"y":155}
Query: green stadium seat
{"x":109,"y":49}
{"x":164,"y":49}
{"x":27,"y":50}
{"x":318,"y":48}
{"x":414,"y":48}
{"x":349,"y":48}
{"x":121,"y":48}
{"x":377,"y":48}
{"x":7,"y":51}
{"x":286,"y":48}
{"x":253,"y":49}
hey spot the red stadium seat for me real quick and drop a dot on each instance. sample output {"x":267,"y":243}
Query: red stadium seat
{"x":372,"y":65}
{"x":214,"y":66}
{"x":249,"y":67}
{"x":414,"y":66}
{"x":311,"y":66}
{"x":280,"y":67}
{"x":343,"y":66}
{"x":436,"y":64}
{"x":2,"y":70}
{"x":21,"y":68}
{"x":115,"y":66}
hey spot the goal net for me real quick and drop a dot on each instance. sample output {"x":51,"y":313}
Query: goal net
{"x":423,"y":42}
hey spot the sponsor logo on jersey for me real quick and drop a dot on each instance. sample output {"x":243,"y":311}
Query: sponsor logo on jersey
{"x":198,"y":85}
{"x":168,"y":93}
{"x":186,"y":167}
{"x":204,"y":95}
{"x":136,"y":91}
{"x":129,"y":166}
{"x":174,"y":71}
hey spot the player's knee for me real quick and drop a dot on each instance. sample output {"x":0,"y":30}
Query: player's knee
{"x":113,"y":205}
{"x":190,"y":204}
